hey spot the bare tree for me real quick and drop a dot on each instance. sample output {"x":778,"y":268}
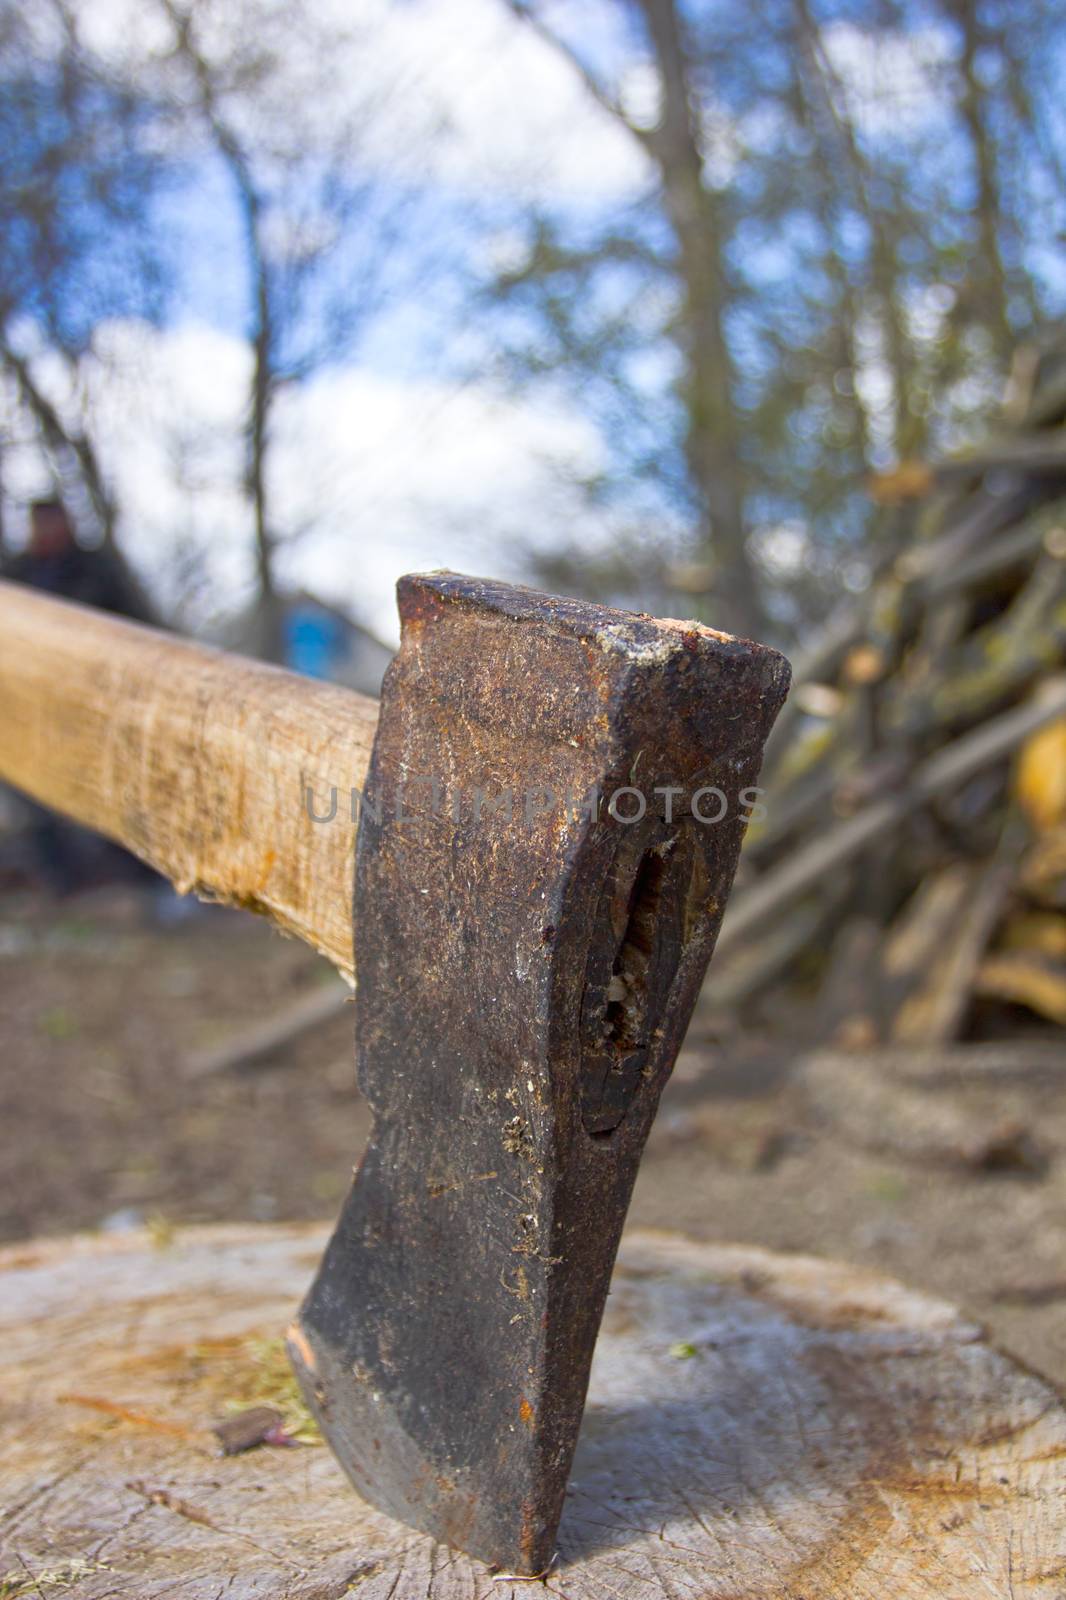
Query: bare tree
{"x":268,"y":95}
{"x":78,"y":177}
{"x":701,"y":230}
{"x":260,"y":82}
{"x":856,"y":210}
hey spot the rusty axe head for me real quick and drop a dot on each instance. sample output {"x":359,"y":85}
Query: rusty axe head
{"x":552,"y":820}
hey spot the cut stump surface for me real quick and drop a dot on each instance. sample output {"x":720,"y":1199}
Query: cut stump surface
{"x":758,"y":1425}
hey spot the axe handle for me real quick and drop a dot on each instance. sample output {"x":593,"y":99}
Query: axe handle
{"x":197,"y":761}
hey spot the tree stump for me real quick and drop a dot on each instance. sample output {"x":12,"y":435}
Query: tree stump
{"x":758,"y":1425}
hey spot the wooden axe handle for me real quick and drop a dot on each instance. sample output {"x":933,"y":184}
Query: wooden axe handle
{"x":197,"y":761}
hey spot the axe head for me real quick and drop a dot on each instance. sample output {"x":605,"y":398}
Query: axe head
{"x":551,"y":826}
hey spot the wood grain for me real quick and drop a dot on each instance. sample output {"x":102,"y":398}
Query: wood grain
{"x":759,"y":1426}
{"x":195,"y":760}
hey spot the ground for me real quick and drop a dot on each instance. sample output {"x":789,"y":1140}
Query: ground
{"x":107,"y":1125}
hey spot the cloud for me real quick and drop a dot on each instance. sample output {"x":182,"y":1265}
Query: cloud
{"x":392,"y":476}
{"x":457,"y":92}
{"x":371,"y":477}
{"x":497,"y":105}
{"x":893,"y":82}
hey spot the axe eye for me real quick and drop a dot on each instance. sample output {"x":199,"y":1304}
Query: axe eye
{"x":628,"y":991}
{"x":627,"y":995}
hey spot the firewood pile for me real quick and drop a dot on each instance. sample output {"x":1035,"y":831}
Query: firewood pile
{"x":908,"y":883}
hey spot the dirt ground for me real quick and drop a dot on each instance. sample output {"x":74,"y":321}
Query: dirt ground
{"x":105,"y":1125}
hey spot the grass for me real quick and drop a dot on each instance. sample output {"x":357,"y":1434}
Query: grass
{"x":260,"y":1375}
{"x":17,"y":1584}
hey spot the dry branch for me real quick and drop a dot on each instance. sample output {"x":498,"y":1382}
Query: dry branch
{"x":897,"y":759}
{"x":251,"y":1046}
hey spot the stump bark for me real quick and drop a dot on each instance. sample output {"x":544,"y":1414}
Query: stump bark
{"x":758,"y":1425}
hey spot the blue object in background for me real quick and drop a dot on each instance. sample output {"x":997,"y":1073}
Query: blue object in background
{"x":314,"y":641}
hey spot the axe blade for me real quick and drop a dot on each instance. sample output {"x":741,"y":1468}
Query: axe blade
{"x":526,"y":974}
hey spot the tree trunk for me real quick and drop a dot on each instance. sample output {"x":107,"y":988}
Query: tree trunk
{"x":758,"y":1425}
{"x":270,"y":643}
{"x":262,"y":332}
{"x":883,"y":267}
{"x":712,"y":444}
{"x":991,"y":276}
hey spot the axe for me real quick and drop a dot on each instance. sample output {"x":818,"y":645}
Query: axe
{"x":545,"y":811}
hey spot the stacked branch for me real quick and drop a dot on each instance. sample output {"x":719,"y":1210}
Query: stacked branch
{"x":913,"y":856}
